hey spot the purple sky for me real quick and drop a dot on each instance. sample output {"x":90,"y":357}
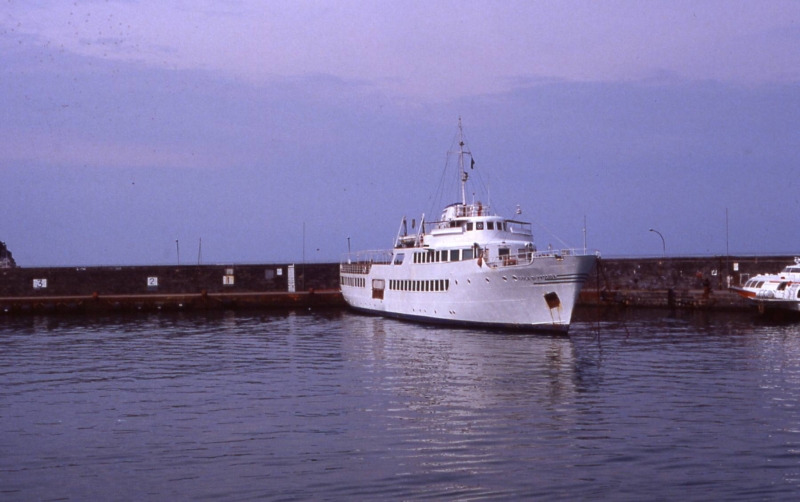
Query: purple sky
{"x":127,"y":125}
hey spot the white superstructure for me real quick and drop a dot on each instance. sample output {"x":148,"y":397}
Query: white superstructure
{"x":472,"y":267}
{"x":774,"y":291}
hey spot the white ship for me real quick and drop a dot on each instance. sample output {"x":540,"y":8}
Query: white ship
{"x":774,"y":291}
{"x":470,"y":267}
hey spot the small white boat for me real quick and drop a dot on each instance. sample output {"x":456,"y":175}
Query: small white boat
{"x":469,"y":267}
{"x":774,"y":291}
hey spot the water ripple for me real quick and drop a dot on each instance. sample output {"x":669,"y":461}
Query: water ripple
{"x":241,"y":406}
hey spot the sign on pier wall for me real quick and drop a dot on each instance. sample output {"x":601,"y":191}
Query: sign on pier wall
{"x":290,"y":278}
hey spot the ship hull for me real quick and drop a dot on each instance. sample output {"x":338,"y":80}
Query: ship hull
{"x":536,"y":296}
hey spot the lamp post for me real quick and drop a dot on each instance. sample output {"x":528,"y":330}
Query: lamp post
{"x":663,"y":242}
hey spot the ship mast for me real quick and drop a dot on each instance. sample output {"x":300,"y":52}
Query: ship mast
{"x":461,"y":170}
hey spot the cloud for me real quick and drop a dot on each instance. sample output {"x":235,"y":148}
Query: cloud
{"x":96,"y":143}
{"x":432,"y":51}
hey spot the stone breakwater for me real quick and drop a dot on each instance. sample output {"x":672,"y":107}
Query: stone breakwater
{"x":679,"y":282}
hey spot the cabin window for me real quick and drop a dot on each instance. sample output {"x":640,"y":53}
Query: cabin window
{"x":466,"y":254}
{"x":782,"y":286}
{"x":430,"y":256}
{"x":479,"y":225}
{"x":444,"y":255}
{"x":454,"y":254}
{"x":398,"y":258}
{"x":489,"y":225}
{"x":378,"y":286}
{"x":469,"y":226}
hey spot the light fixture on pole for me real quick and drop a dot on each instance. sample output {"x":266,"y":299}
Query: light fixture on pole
{"x":663,"y":242}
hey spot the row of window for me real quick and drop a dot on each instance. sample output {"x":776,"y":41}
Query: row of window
{"x":490,"y":225}
{"x":410,"y":285}
{"x":435,"y":256}
{"x":445,"y":255}
{"x":356,"y":282}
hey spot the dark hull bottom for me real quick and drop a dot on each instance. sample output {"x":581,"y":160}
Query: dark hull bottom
{"x":523,"y":328}
{"x":790,"y":307}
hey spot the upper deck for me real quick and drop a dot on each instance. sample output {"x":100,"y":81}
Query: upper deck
{"x":465,"y":224}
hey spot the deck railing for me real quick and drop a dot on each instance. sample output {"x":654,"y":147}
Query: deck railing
{"x":361,"y":262}
{"x":529,"y":257}
{"x":512,"y":226}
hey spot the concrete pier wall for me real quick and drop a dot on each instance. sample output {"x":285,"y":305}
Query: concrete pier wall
{"x":678,"y":282}
{"x":165,"y":279}
{"x":30,"y":290}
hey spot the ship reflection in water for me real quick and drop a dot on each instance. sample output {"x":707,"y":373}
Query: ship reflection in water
{"x":340,"y":406}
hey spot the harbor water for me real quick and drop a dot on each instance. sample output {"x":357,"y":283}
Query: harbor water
{"x":638,"y":405}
